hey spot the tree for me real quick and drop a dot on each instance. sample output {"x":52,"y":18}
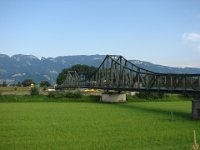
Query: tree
{"x":4,"y":84}
{"x":44,"y":83}
{"x":83,"y":70}
{"x":19,"y":84}
{"x":34,"y":90}
{"x":27,"y":82}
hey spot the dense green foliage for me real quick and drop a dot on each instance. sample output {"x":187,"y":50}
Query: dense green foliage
{"x":45,"y":83}
{"x":85,"y":70}
{"x":27,"y":82}
{"x":44,"y":98}
{"x":67,"y":94}
{"x":34,"y":90}
{"x":151,"y":95}
{"x":154,"y":98}
{"x":77,"y":126}
{"x":65,"y":97}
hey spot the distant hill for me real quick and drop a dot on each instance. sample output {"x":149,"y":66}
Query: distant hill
{"x":19,"y":67}
{"x":165,"y":69}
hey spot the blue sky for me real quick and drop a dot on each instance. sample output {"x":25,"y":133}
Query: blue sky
{"x":160,"y":31}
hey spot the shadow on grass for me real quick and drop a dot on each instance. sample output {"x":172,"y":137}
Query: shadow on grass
{"x":156,"y":111}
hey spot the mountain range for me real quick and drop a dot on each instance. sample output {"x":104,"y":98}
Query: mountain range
{"x":19,"y":67}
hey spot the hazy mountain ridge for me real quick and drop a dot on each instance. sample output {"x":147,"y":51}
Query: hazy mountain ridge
{"x":19,"y":67}
{"x":165,"y":69}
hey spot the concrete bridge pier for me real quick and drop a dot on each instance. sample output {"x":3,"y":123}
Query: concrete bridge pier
{"x":196,"y":108}
{"x":113,"y":97}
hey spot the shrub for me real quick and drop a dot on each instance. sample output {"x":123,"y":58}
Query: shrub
{"x":44,"y":88}
{"x":15,"y":88}
{"x":51,"y":94}
{"x":190,"y":95}
{"x":35,"y":90}
{"x":67,"y":94}
{"x":73,"y":94}
{"x":56,"y":94}
{"x":150,"y":95}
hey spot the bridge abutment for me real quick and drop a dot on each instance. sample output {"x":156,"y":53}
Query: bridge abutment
{"x":196,"y":108}
{"x":113,"y":97}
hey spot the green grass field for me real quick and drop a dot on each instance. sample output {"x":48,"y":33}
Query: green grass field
{"x":90,"y":125}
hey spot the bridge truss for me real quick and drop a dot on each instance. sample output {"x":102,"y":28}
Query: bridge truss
{"x":120,"y":74}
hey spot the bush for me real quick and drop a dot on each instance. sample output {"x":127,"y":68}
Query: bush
{"x":73,"y":94}
{"x":44,"y":88}
{"x":150,"y":95}
{"x":56,"y":94}
{"x":67,"y":94}
{"x":15,"y":88}
{"x":35,"y":90}
{"x":190,"y":95}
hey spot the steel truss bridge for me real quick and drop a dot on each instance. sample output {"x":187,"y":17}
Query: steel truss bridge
{"x":119,"y":74}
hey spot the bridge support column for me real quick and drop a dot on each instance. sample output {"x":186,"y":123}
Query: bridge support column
{"x":113,"y":97}
{"x":196,"y":108}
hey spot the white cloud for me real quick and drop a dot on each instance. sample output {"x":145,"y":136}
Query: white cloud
{"x":192,"y":39}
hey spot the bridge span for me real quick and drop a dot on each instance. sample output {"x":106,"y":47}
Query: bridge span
{"x":120,"y":74}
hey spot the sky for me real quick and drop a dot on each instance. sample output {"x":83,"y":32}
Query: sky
{"x":164,"y":32}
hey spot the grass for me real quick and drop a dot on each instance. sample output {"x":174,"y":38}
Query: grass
{"x":89,"y":125}
{"x":14,"y":90}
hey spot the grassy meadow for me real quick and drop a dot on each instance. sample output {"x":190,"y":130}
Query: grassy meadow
{"x":87,"y":125}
